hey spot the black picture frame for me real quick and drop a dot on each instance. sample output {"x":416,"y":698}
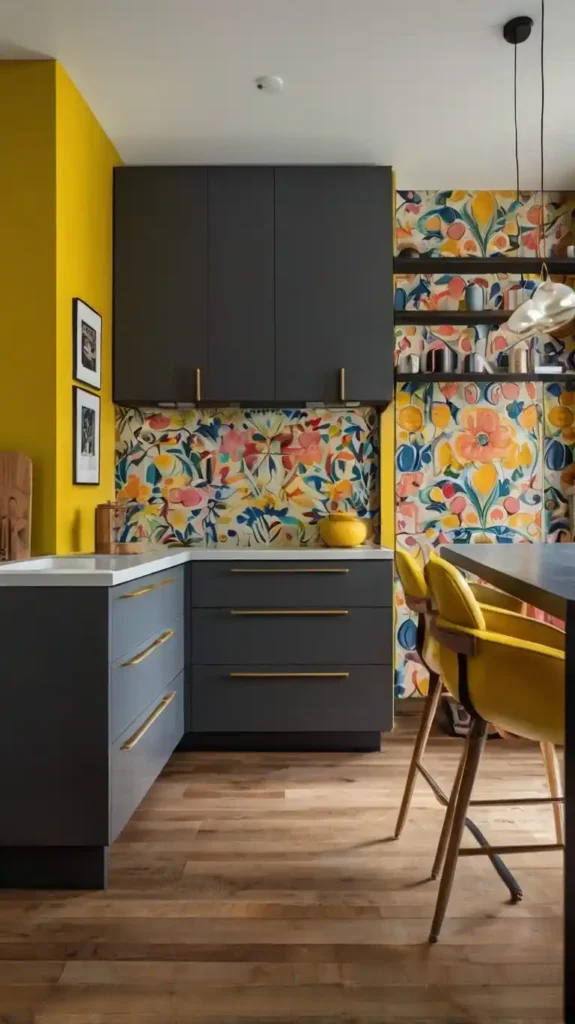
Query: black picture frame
{"x":86,"y":435}
{"x":86,"y":333}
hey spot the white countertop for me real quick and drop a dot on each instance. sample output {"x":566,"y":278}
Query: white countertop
{"x":110,"y":570}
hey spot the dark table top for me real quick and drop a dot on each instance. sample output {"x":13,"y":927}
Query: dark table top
{"x":540,"y":574}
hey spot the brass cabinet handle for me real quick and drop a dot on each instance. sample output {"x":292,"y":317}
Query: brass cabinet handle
{"x":287,"y":572}
{"x":290,"y":611}
{"x":342,"y":384}
{"x":137,"y":593}
{"x":289,"y":675}
{"x":198,"y":384}
{"x":161,"y":639}
{"x":137,"y":736}
{"x":148,"y":589}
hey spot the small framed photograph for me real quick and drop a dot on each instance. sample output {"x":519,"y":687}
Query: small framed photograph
{"x":86,"y":437}
{"x":87,"y":344}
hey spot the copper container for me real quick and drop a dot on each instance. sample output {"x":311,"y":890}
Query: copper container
{"x":109,"y":519}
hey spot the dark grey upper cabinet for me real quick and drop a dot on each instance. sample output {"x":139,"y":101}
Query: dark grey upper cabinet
{"x":333,"y":284}
{"x":253,"y":284}
{"x":160,"y":282}
{"x":240,"y":284}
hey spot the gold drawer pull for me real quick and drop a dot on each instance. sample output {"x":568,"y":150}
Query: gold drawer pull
{"x":148,"y":589}
{"x":290,"y":611}
{"x":161,"y":639}
{"x":137,"y":593}
{"x":131,"y":743}
{"x":342,"y":384}
{"x":287,"y":572}
{"x":289,"y":675}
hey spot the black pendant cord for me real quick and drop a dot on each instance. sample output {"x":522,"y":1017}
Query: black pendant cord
{"x":543,"y":225}
{"x":515,"y":120}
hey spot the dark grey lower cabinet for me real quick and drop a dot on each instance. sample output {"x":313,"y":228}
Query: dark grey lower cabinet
{"x":92,"y":682}
{"x":290,"y":655}
{"x":326,"y":698}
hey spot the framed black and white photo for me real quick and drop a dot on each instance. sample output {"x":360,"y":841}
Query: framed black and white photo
{"x":86,"y":437}
{"x":87,"y":344}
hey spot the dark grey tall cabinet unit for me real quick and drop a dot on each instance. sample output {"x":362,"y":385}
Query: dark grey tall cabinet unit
{"x":253,"y":284}
{"x":334,"y":275}
{"x":160,"y":282}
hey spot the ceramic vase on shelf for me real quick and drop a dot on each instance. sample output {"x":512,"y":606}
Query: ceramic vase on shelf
{"x":343,"y":530}
{"x":474,"y":297}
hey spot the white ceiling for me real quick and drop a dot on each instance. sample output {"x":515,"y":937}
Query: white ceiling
{"x":425,"y":85}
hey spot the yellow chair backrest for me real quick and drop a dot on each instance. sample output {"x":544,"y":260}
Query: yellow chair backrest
{"x":452,"y":596}
{"x":411,"y":576}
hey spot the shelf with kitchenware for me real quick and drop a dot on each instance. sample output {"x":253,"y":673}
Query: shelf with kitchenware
{"x":453,"y":376}
{"x":480,"y":265}
{"x":451,"y":317}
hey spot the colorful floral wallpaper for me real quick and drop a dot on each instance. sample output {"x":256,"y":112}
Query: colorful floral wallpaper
{"x":559,"y":431}
{"x":469,"y":469}
{"x":241,"y":477}
{"x":461,"y":223}
{"x":477,"y":463}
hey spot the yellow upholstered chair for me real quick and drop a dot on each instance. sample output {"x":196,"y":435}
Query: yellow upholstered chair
{"x":417,"y":599}
{"x":503,"y":668}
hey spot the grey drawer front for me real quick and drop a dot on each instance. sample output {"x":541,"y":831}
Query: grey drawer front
{"x":360,"y":701}
{"x":140,"y":608}
{"x":132,"y":772}
{"x":361,"y":636}
{"x":141,"y":674}
{"x":291,"y":584}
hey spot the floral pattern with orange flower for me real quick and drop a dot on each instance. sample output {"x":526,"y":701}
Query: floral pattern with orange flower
{"x":471,"y":474}
{"x":484,"y":437}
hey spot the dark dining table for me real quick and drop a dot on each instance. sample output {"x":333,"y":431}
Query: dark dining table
{"x":542,"y":575}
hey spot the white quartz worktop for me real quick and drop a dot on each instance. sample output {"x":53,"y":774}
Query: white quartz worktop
{"x":110,"y":570}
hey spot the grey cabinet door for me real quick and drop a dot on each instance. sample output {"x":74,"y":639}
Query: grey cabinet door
{"x":241,"y":358}
{"x":333,"y":277}
{"x":160,"y":282}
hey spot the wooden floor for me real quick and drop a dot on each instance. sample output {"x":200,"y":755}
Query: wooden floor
{"x":265,"y":887}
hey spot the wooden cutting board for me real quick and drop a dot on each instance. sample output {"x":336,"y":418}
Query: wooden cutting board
{"x":15,"y":505}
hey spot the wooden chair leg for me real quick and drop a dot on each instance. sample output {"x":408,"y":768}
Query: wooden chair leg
{"x":475,"y":745}
{"x":553,"y":773}
{"x":429,"y":709}
{"x":448,"y":819}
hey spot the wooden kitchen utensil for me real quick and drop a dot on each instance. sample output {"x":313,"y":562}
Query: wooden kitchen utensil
{"x":15,"y":505}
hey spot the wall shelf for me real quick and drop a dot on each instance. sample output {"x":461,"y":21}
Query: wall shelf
{"x":472,"y":265}
{"x":462,"y":317}
{"x":484,"y":378}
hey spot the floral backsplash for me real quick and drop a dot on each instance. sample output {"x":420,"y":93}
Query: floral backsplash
{"x":241,"y":477}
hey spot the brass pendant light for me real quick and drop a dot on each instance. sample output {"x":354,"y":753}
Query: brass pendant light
{"x":552,"y":304}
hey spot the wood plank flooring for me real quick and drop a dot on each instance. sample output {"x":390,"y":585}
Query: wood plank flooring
{"x":266,"y":887}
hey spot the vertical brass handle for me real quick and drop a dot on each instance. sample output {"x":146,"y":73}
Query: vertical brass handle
{"x":198,"y":384}
{"x":342,"y":384}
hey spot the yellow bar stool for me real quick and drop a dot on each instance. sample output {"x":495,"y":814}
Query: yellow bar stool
{"x":503,"y":668}
{"x":417,"y":598}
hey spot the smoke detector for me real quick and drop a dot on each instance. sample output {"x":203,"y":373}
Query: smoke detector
{"x":269,"y":83}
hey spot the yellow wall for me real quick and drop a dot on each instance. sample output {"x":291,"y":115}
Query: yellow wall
{"x":27,"y":276}
{"x":55,"y":244}
{"x":85,"y":158}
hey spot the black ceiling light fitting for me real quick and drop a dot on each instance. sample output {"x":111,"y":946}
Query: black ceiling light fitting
{"x":518,"y":30}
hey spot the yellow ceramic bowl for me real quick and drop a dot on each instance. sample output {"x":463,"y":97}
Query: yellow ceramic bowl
{"x":343,"y":530}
